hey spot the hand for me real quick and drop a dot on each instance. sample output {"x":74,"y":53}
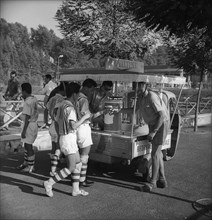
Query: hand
{"x":88,"y":115}
{"x":23,"y":134}
{"x":151,"y":136}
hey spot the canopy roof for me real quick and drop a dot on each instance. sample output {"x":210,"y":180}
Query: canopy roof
{"x":117,"y":75}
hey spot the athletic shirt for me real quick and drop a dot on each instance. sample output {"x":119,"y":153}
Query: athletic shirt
{"x":31,"y":108}
{"x":65,"y":113}
{"x":149,"y":106}
{"x":82,"y":107}
{"x":54,"y":101}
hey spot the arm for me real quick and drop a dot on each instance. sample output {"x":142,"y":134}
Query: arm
{"x":75,"y":125}
{"x":7,"y":89}
{"x":158,"y":124}
{"x":26,"y":123}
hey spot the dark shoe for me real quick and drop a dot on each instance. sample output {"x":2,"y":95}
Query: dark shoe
{"x":148,"y":187}
{"x":162,"y":184}
{"x":21,"y":167}
{"x":86,"y":183}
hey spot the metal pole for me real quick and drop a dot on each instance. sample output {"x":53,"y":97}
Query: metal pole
{"x":176,"y":105}
{"x":134,"y":107}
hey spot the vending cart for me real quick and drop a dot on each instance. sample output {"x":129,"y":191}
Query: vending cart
{"x":123,"y":139}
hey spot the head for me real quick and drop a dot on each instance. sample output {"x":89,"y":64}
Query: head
{"x":107,"y":87}
{"x":13,"y":75}
{"x":47,"y":78}
{"x":88,"y":86}
{"x":72,"y":91}
{"x":142,"y":87}
{"x":26,"y":89}
{"x":62,"y":88}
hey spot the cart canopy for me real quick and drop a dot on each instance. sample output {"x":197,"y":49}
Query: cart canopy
{"x":117,"y":75}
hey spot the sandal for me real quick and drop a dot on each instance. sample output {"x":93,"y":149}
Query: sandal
{"x":80,"y":193}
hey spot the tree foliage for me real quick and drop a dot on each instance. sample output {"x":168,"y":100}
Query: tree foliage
{"x":29,"y":53}
{"x":104,"y":29}
{"x":191,"y":52}
{"x":178,"y":16}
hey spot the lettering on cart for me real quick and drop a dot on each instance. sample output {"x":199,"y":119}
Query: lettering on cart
{"x":167,"y":142}
{"x":143,"y":147}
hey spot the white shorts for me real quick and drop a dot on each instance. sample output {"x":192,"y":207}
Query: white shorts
{"x":84,"y":138}
{"x":31,"y":133}
{"x":53,"y":133}
{"x":68,"y":143}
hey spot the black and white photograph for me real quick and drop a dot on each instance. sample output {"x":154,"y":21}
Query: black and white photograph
{"x":106,"y":109}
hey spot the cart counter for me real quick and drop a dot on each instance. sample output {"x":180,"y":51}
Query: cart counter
{"x":111,"y":147}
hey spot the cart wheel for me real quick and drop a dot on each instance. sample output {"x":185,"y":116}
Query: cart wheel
{"x":133,"y":166}
{"x":148,"y":174}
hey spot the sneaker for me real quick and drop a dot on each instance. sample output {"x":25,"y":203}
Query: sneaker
{"x":21,"y":167}
{"x":162,"y":184}
{"x":148,"y":187}
{"x":48,"y":188}
{"x":29,"y":169}
{"x":80,"y":193}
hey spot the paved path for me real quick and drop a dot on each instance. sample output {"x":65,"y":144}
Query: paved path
{"x":115,"y":194}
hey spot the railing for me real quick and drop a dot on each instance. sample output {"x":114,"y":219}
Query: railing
{"x":188,"y":105}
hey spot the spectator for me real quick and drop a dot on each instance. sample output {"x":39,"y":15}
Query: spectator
{"x":12,"y":91}
{"x":48,"y":87}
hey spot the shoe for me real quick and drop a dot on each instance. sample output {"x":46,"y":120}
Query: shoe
{"x":86,"y":183}
{"x":80,"y":193}
{"x":21,"y":167}
{"x":29,"y":169}
{"x":48,"y":188}
{"x":162,"y":184}
{"x":148,"y":187}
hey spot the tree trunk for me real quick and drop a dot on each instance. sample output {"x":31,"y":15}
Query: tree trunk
{"x":198,"y":102}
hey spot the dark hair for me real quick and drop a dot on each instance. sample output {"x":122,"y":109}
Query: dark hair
{"x":61,"y":87}
{"x":13,"y":72}
{"x":89,"y":83}
{"x":26,"y":87}
{"x":48,"y":76}
{"x":72,"y":88}
{"x":107,"y":83}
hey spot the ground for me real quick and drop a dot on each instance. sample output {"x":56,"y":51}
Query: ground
{"x":115,"y":194}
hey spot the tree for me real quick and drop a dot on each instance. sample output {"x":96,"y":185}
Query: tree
{"x":191,"y":21}
{"x":191,"y":53}
{"x":104,"y":29}
{"x":177,"y":16}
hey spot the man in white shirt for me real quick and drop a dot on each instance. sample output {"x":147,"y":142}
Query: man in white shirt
{"x":49,"y":86}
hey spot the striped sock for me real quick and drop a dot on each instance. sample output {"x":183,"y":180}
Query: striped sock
{"x":54,"y":162}
{"x":31,"y":161}
{"x":76,"y":177}
{"x":83,"y":172}
{"x":25,"y":158}
{"x":62,"y":174}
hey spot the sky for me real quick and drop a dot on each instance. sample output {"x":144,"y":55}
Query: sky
{"x":31,"y":13}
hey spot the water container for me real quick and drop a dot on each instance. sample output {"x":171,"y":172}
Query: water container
{"x":112,"y":117}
